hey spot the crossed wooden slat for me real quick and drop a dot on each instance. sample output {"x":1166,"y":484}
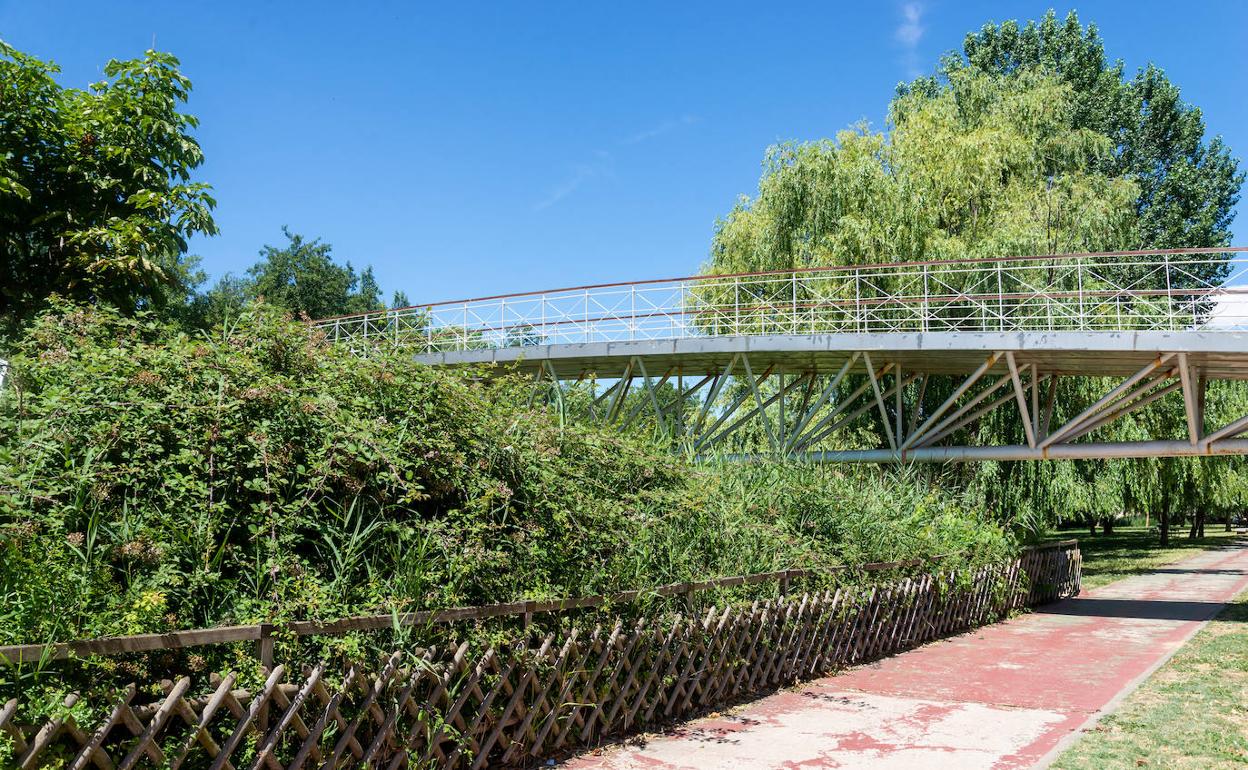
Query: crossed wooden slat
{"x":510,"y":704}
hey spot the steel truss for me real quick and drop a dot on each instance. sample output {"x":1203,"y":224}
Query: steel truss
{"x":785,"y":411}
{"x":780,"y":363}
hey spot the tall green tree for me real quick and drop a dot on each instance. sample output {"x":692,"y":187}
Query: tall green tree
{"x":1188,"y":183}
{"x":97,"y":198}
{"x":300,"y":276}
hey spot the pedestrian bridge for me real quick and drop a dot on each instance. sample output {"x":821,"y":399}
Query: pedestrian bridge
{"x":791,"y":362}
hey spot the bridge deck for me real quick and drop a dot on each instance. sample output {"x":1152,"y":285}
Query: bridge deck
{"x":1218,"y":355}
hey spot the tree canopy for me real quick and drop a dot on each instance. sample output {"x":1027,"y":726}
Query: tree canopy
{"x":301,"y":277}
{"x":1028,"y":141}
{"x":1188,"y":184}
{"x":991,"y":165}
{"x":97,"y":198}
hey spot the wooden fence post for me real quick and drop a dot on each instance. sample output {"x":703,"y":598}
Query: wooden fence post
{"x":264,"y":646}
{"x":264,"y":651}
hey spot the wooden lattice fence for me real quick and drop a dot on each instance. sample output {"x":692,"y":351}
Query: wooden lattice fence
{"x":463,"y":707}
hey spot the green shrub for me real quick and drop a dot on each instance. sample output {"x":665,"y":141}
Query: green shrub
{"x":156,"y":480}
{"x":151,"y":480}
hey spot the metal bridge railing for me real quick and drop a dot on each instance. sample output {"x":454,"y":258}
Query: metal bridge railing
{"x":1160,"y":290}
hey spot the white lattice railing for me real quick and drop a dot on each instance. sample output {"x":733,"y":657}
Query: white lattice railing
{"x":1119,"y":291}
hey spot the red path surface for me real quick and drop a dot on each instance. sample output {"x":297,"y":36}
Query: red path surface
{"x":1004,"y":696}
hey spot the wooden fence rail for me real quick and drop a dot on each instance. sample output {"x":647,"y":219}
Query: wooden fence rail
{"x":262,"y":633}
{"x":514,"y":705}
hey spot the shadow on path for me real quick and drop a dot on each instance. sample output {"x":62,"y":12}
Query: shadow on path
{"x":1176,"y":571}
{"x":1143,"y":609}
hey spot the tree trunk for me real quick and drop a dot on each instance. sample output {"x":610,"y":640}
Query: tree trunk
{"x":1091,"y":525}
{"x":1198,"y":525}
{"x":1147,"y":513}
{"x":1227,"y":520}
{"x":1107,"y":525}
{"x":1163,"y":520}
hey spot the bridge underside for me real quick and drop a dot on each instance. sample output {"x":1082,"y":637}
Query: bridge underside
{"x":923,"y":394}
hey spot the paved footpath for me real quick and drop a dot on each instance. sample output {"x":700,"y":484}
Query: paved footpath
{"x":1011,"y":695}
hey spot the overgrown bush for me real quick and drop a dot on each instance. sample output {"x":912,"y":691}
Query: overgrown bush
{"x":157,"y":480}
{"x":154,"y":480}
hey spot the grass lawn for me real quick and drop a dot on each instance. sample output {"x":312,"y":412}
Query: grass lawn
{"x":1192,"y":713}
{"x":1133,"y":551}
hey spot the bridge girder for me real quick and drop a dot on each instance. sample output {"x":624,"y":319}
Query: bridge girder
{"x":794,"y":394}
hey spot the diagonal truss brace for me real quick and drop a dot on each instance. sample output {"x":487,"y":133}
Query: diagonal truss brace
{"x":816,"y":435}
{"x":1021,"y":397}
{"x":964,"y":416}
{"x":797,"y":410}
{"x":951,"y":400}
{"x":1107,"y":403}
{"x":824,"y":395}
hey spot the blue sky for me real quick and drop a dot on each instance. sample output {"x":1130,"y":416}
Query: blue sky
{"x":466,"y":149}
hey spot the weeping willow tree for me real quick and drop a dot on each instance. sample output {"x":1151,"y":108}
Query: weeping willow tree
{"x":1098,"y":492}
{"x":994,"y":165}
{"x":1029,"y":141}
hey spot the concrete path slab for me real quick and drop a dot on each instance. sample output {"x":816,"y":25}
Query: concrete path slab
{"x":1010,"y":695}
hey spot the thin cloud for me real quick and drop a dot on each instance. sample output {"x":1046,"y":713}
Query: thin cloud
{"x":910,"y":31}
{"x":580,"y":174}
{"x":600,"y":166}
{"x":661,"y":129}
{"x":908,"y":34}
